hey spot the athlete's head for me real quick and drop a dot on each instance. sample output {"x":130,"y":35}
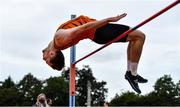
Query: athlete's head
{"x":53,"y":58}
{"x":58,"y":61}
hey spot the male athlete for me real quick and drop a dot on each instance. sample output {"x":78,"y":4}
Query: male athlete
{"x":101,"y":32}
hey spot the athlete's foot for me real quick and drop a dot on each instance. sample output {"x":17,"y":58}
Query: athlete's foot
{"x":141,"y":79}
{"x":133,"y":81}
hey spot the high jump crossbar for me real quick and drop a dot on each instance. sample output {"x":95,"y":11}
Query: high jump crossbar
{"x":130,"y":30}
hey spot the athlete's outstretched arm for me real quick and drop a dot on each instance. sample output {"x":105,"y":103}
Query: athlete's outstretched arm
{"x":66,"y":37}
{"x":100,"y":23}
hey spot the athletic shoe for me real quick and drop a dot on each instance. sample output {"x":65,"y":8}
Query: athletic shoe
{"x":133,"y":81}
{"x":141,"y":79}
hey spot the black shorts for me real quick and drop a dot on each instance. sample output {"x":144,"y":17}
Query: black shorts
{"x":109,"y":32}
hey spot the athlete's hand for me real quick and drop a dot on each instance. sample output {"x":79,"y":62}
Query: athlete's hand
{"x":116,"y":18}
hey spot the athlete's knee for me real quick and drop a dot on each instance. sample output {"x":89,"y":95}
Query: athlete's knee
{"x":137,"y":35}
{"x":142,"y":36}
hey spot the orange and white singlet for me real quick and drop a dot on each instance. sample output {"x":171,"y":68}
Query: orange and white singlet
{"x":75,"y":23}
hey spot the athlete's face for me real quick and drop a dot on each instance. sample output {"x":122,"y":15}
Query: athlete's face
{"x":47,"y":55}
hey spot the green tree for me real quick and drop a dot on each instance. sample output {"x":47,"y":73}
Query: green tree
{"x":124,"y":99}
{"x":98,"y":90}
{"x":165,"y":91}
{"x":8,"y":93}
{"x":150,"y":99}
{"x":57,"y":89}
{"x":29,"y":88}
{"x":8,"y":83}
{"x":178,"y":93}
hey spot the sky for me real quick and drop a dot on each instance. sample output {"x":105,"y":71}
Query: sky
{"x":27,"y":26}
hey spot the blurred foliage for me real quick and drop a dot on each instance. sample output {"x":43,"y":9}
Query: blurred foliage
{"x":25,"y":92}
{"x":165,"y":93}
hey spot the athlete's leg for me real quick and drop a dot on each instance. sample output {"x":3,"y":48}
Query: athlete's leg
{"x":136,"y":41}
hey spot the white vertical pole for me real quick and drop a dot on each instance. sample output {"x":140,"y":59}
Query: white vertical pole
{"x":88,"y":94}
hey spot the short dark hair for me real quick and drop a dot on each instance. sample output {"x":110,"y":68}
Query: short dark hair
{"x":58,"y":61}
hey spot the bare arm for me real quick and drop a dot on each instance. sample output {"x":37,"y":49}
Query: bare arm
{"x":65,"y":37}
{"x":100,"y":23}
